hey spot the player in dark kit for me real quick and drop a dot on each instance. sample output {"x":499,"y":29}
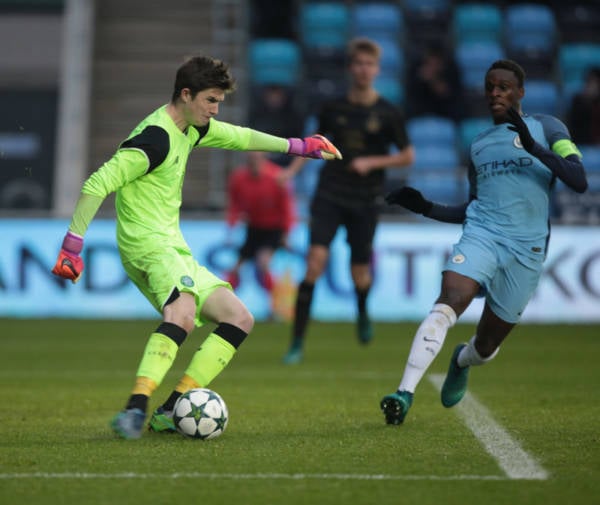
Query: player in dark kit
{"x":364,"y":125}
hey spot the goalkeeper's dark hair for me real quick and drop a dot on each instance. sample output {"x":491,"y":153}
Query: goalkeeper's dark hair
{"x":200,"y":73}
{"x":511,"y":65}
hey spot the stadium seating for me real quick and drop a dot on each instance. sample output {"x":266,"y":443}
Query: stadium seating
{"x":477,"y":22}
{"x":542,"y":96}
{"x":377,"y":20}
{"x":531,"y":37}
{"x":578,"y":21}
{"x":274,"y":61}
{"x":324,"y":25}
{"x":591,"y":158}
{"x":432,"y":131}
{"x":426,"y":21}
{"x":474,"y":59}
{"x":392,"y":57}
{"x":447,"y":188}
{"x":576,"y":59}
{"x":391,"y":88}
{"x":431,"y":158}
{"x":556,"y":43}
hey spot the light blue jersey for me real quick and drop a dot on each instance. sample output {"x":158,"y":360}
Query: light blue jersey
{"x":512,"y":186}
{"x":506,"y":228}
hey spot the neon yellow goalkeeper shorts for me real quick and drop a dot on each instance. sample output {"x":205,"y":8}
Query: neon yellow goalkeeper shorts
{"x":159,"y":272}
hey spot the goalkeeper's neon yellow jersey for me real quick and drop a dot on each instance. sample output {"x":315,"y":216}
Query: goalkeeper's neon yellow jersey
{"x":147,"y":173}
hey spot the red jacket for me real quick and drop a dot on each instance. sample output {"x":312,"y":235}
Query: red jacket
{"x":260,"y":199}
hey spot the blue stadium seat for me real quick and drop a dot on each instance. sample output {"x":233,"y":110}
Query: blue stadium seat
{"x":435,"y":131}
{"x":435,"y":158}
{"x":474,"y":59}
{"x":377,"y":19}
{"x":392,"y":57}
{"x":575,"y":60}
{"x":530,"y":27}
{"x":477,"y":23}
{"x":591,"y":158}
{"x":450,"y":188}
{"x":541,"y":96}
{"x":391,"y":88}
{"x":274,"y":61}
{"x":324,"y":24}
{"x":468,"y":129}
{"x":427,"y":8}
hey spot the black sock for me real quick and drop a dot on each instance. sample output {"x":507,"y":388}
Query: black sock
{"x":361,"y":299}
{"x":137,"y":402}
{"x":170,"y":403}
{"x":303,"y":302}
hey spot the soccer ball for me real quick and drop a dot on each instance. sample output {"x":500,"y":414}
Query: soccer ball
{"x":200,"y":413}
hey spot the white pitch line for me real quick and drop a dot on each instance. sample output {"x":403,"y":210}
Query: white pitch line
{"x":244,"y":476}
{"x":510,"y":456}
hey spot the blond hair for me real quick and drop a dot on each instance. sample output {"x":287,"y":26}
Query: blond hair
{"x":363,"y":45}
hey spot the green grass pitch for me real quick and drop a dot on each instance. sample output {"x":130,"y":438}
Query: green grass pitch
{"x":310,"y":434}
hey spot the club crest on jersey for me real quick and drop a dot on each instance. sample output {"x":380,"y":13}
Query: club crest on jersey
{"x":187,"y":281}
{"x":373,"y":124}
{"x":458,"y":259}
{"x":517,"y":142}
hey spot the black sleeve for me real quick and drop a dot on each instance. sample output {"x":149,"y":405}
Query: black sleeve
{"x":448,"y":213}
{"x":154,"y":141}
{"x":569,"y":170}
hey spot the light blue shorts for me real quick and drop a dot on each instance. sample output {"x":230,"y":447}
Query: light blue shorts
{"x":507,"y":278}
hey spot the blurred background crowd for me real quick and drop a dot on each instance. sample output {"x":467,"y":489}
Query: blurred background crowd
{"x":77,"y":75}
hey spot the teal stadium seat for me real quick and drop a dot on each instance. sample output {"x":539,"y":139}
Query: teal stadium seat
{"x":324,"y":25}
{"x":474,"y":59}
{"x":531,"y":37}
{"x":475,"y":22}
{"x":274,"y":61}
{"x":542,"y":96}
{"x":575,"y":59}
{"x":392,"y":57}
{"x":591,"y":159}
{"x":435,"y":131}
{"x":390,"y":88}
{"x":530,"y":27}
{"x":445,"y":187}
{"x":377,"y":20}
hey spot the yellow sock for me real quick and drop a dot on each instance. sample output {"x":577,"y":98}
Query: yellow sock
{"x":158,"y":357}
{"x":210,"y":360}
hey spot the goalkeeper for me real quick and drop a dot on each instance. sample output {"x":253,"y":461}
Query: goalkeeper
{"x":147,"y":173}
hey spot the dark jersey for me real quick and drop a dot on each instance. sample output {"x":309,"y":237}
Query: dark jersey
{"x":358,"y":130}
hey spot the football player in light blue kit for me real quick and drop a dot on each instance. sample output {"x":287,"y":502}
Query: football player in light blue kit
{"x":512,"y":170}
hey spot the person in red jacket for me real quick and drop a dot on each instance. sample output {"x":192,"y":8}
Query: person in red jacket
{"x":267,"y":206}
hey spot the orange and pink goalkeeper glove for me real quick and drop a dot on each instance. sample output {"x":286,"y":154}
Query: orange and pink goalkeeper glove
{"x":316,"y":146}
{"x":69,"y":264}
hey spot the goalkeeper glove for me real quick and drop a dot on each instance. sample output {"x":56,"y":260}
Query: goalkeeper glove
{"x":316,"y":146}
{"x":69,"y":264}
{"x":410,"y":199}
{"x":519,"y":126}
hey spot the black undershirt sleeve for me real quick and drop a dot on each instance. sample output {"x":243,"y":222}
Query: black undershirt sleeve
{"x":569,"y":170}
{"x":154,"y":141}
